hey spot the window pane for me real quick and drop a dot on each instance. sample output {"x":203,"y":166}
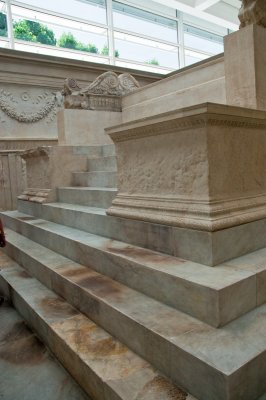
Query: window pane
{"x":37,"y":27}
{"x":3,"y":21}
{"x":88,"y":10}
{"x":146,"y":51}
{"x":202,"y":40}
{"x":192,"y":57}
{"x":141,"y":67}
{"x":60,"y":52}
{"x":145,"y":23}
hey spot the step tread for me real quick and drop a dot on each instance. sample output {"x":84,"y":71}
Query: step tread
{"x":123,"y":371}
{"x":19,"y":347}
{"x":215,"y":296}
{"x":87,"y":188}
{"x":78,"y":207}
{"x":198,"y":273}
{"x":225,"y":349}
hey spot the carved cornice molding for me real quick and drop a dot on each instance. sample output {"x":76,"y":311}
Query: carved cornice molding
{"x":184,"y":123}
{"x":104,"y":93}
{"x":42,"y":151}
{"x":187,"y":213}
{"x":38,"y":195}
{"x":23,"y":144}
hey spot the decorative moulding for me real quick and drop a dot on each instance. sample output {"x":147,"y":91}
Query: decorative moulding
{"x":28,"y":108}
{"x":102,"y":94}
{"x":38,"y":195}
{"x":190,"y":213}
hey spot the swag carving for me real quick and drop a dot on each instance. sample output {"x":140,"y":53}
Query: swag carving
{"x":46,"y":104}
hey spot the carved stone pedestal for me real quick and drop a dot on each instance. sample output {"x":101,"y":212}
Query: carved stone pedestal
{"x":47,"y":168}
{"x":202,"y":168}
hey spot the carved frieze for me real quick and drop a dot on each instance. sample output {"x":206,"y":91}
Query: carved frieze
{"x":28,"y":108}
{"x":102,"y":94}
{"x":252,"y":12}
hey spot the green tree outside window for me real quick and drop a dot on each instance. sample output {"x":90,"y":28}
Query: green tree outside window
{"x":153,"y":61}
{"x":105,"y":51}
{"x":67,"y":40}
{"x":34,"y":32}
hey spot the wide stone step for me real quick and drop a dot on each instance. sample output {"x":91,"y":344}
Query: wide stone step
{"x":102,"y":164}
{"x":213,"y":295}
{"x":104,"y":367}
{"x":87,"y":196}
{"x":95,"y":179}
{"x":211,"y":363}
{"x":94,"y":220}
{"x":27,"y":368}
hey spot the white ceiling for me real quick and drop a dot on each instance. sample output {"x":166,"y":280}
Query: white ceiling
{"x":220,"y":12}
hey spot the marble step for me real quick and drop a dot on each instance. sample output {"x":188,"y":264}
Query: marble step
{"x":94,"y":220}
{"x":104,"y":367}
{"x":95,"y":151}
{"x":95,"y":179}
{"x":213,"y":295}
{"x":102,"y":164}
{"x":27,"y":368}
{"x":87,"y":196}
{"x":208,"y":362}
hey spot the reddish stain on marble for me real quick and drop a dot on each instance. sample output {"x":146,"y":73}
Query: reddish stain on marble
{"x":27,"y":218}
{"x":20,"y":346}
{"x":101,"y":284}
{"x":24,"y":274}
{"x":56,"y":307}
{"x":145,"y":255}
{"x":161,"y":388}
{"x":99,"y":347}
{"x":72,"y":271}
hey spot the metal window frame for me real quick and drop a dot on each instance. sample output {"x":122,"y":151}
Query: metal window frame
{"x":109,"y":26}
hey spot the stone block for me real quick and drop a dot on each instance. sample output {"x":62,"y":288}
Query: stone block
{"x":85,"y":127}
{"x":245,"y":64}
{"x":47,"y":168}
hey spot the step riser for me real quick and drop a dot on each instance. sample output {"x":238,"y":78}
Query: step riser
{"x":202,"y":302}
{"x":208,"y":305}
{"x":93,"y":198}
{"x":95,"y":179}
{"x":102,"y":164}
{"x":143,"y":234}
{"x":95,"y":151}
{"x":174,"y":362}
{"x":175,"y":344}
{"x":108,"y":151}
{"x":104,"y":367}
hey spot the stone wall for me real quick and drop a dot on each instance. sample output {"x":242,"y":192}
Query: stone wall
{"x":30,"y":86}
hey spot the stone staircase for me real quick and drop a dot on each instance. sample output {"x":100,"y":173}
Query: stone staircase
{"x":127,"y":318}
{"x":26,"y":365}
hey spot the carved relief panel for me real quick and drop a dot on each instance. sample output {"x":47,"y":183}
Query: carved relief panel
{"x":28,"y":111}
